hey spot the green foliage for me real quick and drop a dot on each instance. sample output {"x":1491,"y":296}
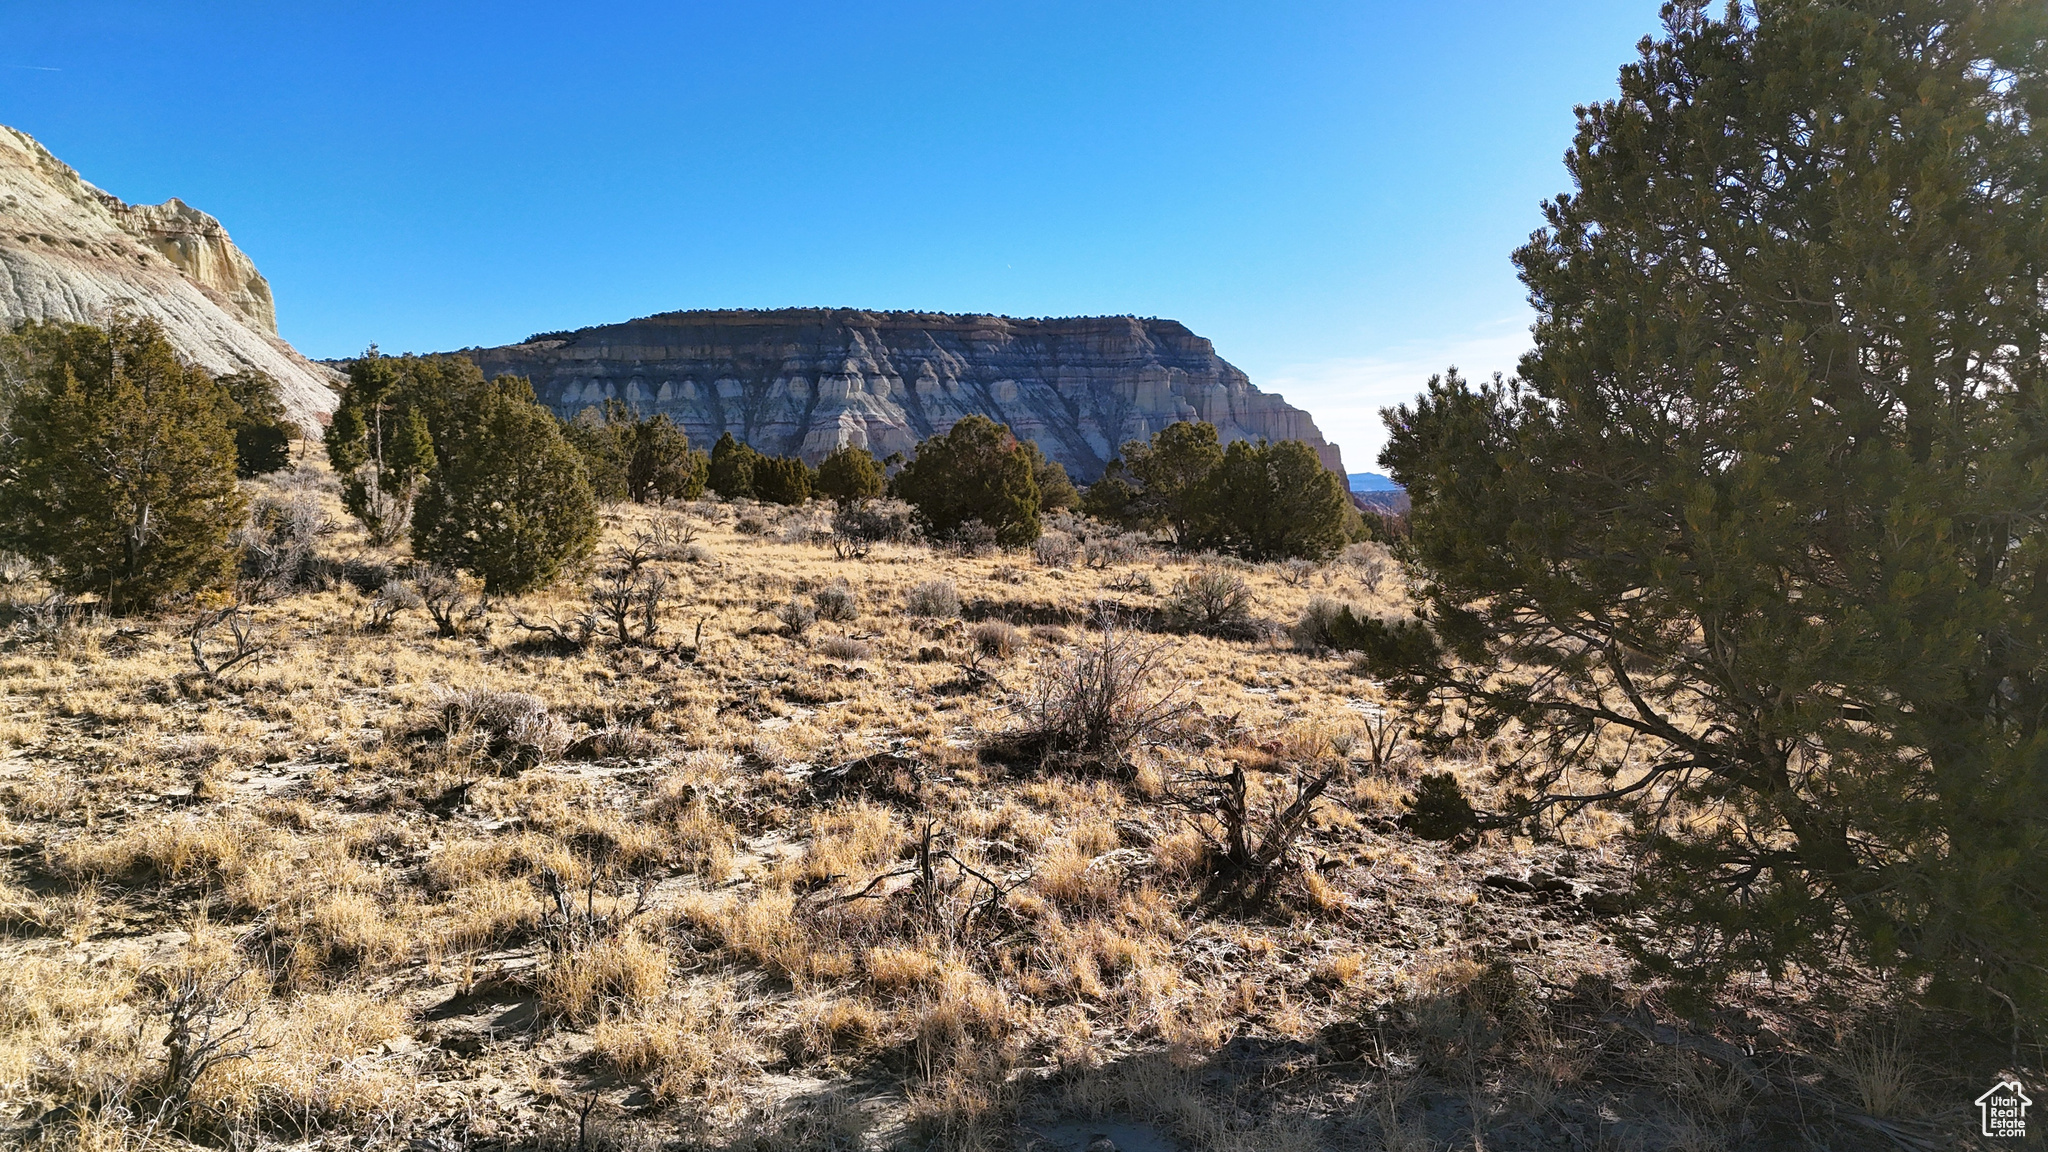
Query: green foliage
{"x":1109,"y":499}
{"x":851,"y":474}
{"x":1439,"y":810}
{"x":781,"y":479}
{"x":381,"y":440}
{"x":118,"y":473}
{"x":508,"y":501}
{"x":732,"y":468}
{"x":975,"y":472}
{"x":662,"y":465}
{"x":1261,"y":501}
{"x":1384,"y":643}
{"x":645,"y":459}
{"x":1270,"y":501}
{"x":1758,"y":534}
{"x":263,"y":436}
{"x":1170,"y":480}
{"x":600,"y":437}
{"x":1055,"y":489}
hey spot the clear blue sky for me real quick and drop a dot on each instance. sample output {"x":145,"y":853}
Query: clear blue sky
{"x":1328,"y":190}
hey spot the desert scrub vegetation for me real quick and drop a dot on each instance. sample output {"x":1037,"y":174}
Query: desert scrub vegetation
{"x":1659,"y":791}
{"x":1122,"y":862}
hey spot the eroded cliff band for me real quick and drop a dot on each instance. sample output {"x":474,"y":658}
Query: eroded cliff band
{"x":806,"y":381}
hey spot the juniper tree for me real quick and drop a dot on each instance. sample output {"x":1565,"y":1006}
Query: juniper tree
{"x":1168,"y":479}
{"x":850,"y":475}
{"x":256,"y":416}
{"x":118,"y":468}
{"x":626,"y":456}
{"x":507,"y":501}
{"x":380,"y":444}
{"x":660,"y":464}
{"x":1754,"y":547}
{"x":781,"y":479}
{"x":976,"y":471}
{"x":1271,"y":501}
{"x":732,"y":468}
{"x":601,"y":436}
{"x":1055,"y":489}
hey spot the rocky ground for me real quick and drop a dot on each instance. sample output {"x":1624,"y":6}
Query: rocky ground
{"x":793,"y":872}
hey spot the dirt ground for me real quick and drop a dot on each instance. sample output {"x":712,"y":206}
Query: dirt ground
{"x":793,"y":872}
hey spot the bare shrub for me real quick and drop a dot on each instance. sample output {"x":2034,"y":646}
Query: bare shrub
{"x":996,"y":639}
{"x":935,"y":599}
{"x":1383,"y":734}
{"x":1250,"y":838}
{"x":203,"y":1031}
{"x":1112,"y":551}
{"x":513,"y":728}
{"x":595,"y":959}
{"x":395,"y":597}
{"x":836,"y":603}
{"x":1098,"y":706}
{"x":796,"y":616}
{"x":973,"y":538}
{"x":806,"y":530}
{"x":455,"y":602}
{"x":1314,"y":631}
{"x":845,"y":648}
{"x":279,"y":545}
{"x":1056,"y":550}
{"x":1371,"y":560}
{"x":1211,"y":601}
{"x":627,"y":605}
{"x":1134,"y":582}
{"x":241,"y":644}
{"x":668,"y":535}
{"x":751,"y":524}
{"x":1297,"y":571}
{"x":857,"y":530}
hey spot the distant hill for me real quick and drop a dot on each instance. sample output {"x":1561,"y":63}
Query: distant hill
{"x":806,"y":381}
{"x":1372,"y":482}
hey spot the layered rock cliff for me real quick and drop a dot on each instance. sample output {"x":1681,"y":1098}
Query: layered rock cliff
{"x":69,"y":251}
{"x":806,"y":381}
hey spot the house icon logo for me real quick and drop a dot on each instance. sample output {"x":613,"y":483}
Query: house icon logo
{"x":2004,"y":1109}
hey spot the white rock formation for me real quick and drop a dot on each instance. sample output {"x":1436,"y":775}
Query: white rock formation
{"x":806,"y":381}
{"x":69,"y":251}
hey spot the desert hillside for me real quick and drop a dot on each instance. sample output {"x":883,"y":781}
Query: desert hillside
{"x":784,"y":869}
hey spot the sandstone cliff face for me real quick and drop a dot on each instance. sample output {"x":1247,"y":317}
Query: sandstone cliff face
{"x":69,"y":251}
{"x":806,"y":381}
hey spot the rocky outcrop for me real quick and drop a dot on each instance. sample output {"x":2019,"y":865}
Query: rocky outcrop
{"x":69,"y":251}
{"x":806,"y":381}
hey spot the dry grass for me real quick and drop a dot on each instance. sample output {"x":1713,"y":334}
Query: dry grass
{"x":370,"y":828}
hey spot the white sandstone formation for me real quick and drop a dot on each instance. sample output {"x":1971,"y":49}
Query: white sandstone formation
{"x":69,"y":251}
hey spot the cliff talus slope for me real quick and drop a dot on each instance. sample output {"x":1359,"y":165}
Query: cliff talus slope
{"x":69,"y":251}
{"x":806,"y":381}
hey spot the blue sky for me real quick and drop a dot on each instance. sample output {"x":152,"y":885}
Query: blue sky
{"x":1328,"y":191}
